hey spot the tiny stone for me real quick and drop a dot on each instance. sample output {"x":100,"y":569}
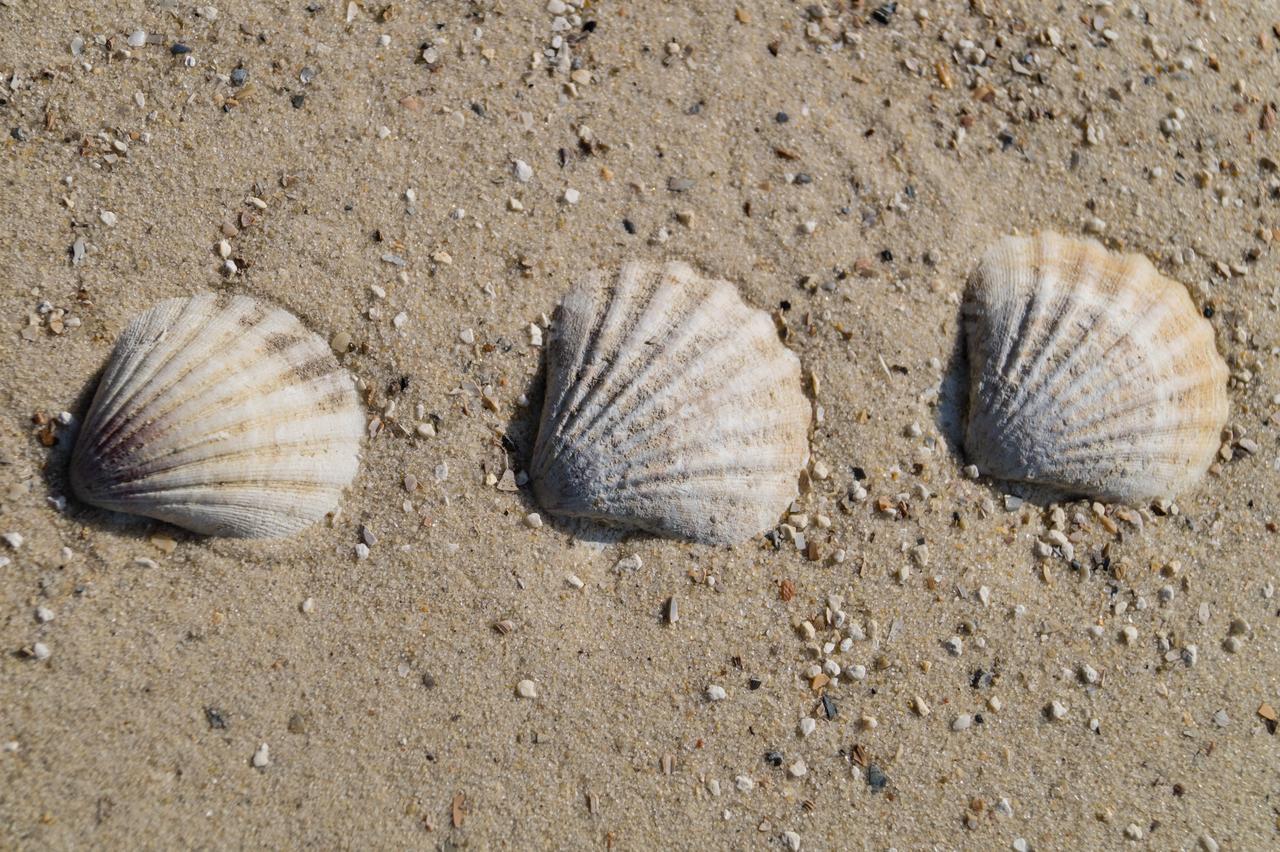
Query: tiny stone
{"x":571,"y":196}
{"x":1057,"y":709}
{"x":309,"y":606}
{"x":523,"y":171}
{"x":716,"y":693}
{"x":40,"y":651}
{"x":44,"y":615}
{"x":961,"y":722}
{"x":527,"y":689}
{"x":807,"y":726}
{"x":262,"y":757}
{"x":1133,"y":832}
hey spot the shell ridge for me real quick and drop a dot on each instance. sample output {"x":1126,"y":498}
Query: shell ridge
{"x":161,"y":374}
{"x":785,"y":365}
{"x":663,"y":301}
{"x":138,"y":361}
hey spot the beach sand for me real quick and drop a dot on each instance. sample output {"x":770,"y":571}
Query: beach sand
{"x":845,"y":166}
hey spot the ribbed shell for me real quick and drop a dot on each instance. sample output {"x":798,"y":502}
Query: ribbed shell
{"x":221,"y":415}
{"x":671,"y":407}
{"x":1090,"y":372}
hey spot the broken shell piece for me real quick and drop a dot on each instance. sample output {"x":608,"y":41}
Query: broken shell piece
{"x":222,"y":415}
{"x":671,"y":407}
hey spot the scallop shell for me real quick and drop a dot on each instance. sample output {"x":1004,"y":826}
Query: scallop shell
{"x":221,"y":415}
{"x":671,"y":407}
{"x":1090,"y":373}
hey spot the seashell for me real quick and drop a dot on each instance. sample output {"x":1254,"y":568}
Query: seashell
{"x":221,"y":415}
{"x":671,"y":407}
{"x":1090,"y":373}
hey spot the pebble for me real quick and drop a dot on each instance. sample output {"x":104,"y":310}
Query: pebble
{"x":533,"y":521}
{"x":137,"y":38}
{"x":44,"y":615}
{"x":523,"y":171}
{"x":571,"y":196}
{"x":798,"y":769}
{"x":807,"y":726}
{"x":527,"y":689}
{"x":962,"y":722}
{"x":716,"y":693}
{"x":13,"y":539}
{"x":262,"y":757}
{"x":1133,"y":832}
{"x":744,"y":783}
{"x":792,"y":840}
{"x":40,"y":651}
{"x":1057,"y":710}
{"x":309,"y":606}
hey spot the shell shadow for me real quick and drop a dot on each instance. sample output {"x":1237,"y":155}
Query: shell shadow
{"x":521,"y":432}
{"x":57,"y":479}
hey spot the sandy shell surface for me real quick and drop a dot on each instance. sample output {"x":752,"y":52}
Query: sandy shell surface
{"x":481,"y":678}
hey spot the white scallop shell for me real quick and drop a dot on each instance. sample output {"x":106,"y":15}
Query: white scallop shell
{"x":671,"y":406}
{"x":1090,"y":373}
{"x":221,"y":415}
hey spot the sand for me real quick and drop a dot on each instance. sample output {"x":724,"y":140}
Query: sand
{"x":391,"y":708}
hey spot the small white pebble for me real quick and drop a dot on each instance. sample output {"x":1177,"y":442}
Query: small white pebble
{"x":309,"y":606}
{"x":716,"y":693}
{"x":362,"y":550}
{"x":962,"y":722}
{"x":573,"y":580}
{"x":523,"y":171}
{"x":43,"y":614}
{"x":1133,"y":832}
{"x":1057,"y":709}
{"x":13,"y":539}
{"x":798,"y":769}
{"x":527,"y":689}
{"x":40,"y":651}
{"x":571,"y":196}
{"x":744,"y":783}
{"x":262,"y":757}
{"x":792,"y":840}
{"x":108,"y":218}
{"x":807,"y":726}
{"x":533,"y":521}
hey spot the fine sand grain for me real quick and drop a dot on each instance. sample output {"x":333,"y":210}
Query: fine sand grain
{"x":481,"y":680}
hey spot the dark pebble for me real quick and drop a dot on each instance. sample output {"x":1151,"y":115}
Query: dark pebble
{"x":885,"y":13}
{"x":478,"y":109}
{"x":298,"y":101}
{"x":19,"y":134}
{"x":754,"y":683}
{"x":829,"y":706}
{"x":782,"y":118}
{"x":629,"y":226}
{"x":876,"y":779}
{"x":179,"y":48}
{"x":214,"y":717}
{"x":859,"y":474}
{"x":886,"y":256}
{"x":803,"y":179}
{"x":239,"y":77}
{"x":428,"y":681}
{"x":773,"y":758}
{"x":1208,"y":311}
